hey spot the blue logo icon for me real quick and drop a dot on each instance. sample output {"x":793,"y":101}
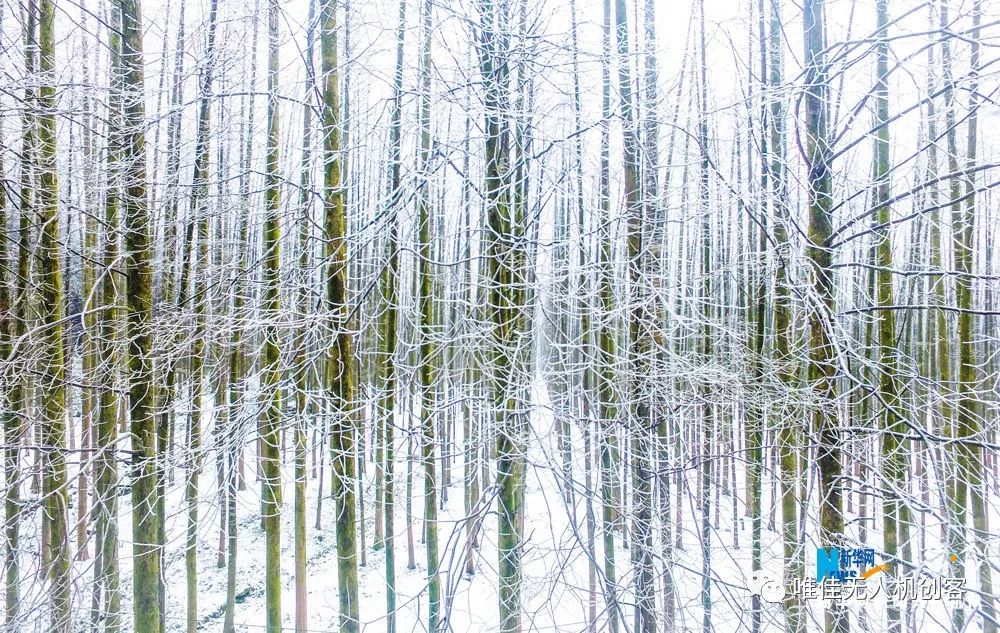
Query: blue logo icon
{"x":827,"y":563}
{"x":839,"y":564}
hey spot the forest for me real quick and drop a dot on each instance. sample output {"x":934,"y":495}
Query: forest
{"x":630,"y":316}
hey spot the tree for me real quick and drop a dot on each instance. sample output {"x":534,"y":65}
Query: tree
{"x":14,"y":423}
{"x":107,"y":596}
{"x":389,"y":358}
{"x":607,"y":411}
{"x":758,"y":322}
{"x":895,"y":514}
{"x":822,"y":356}
{"x":340,"y":363}
{"x":968,"y":473}
{"x":586,"y":351}
{"x":425,"y":300}
{"x":200,"y":222}
{"x":789,"y":439}
{"x":175,"y":255}
{"x":638,"y":338}
{"x":505,"y":260}
{"x":708,"y":421}
{"x":138,"y":321}
{"x":238,"y":361}
{"x":271,"y":413}
{"x":302,"y":344}
{"x":53,"y":385}
{"x":11,"y":424}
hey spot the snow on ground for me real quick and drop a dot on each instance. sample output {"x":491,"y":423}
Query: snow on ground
{"x":555,"y":573}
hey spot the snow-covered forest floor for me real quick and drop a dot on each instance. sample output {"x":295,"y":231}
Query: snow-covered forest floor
{"x":556,"y":562}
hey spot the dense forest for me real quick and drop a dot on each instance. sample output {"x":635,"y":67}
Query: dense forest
{"x":499,"y":315}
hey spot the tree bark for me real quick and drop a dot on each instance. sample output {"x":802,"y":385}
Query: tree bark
{"x":272,"y":370}
{"x":822,"y":362}
{"x":340,"y":362}
{"x":52,"y":311}
{"x":139,"y":315}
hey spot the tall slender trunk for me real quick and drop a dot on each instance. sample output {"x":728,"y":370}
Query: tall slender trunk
{"x":15,"y":425}
{"x":789,"y":441}
{"x":757,"y":319}
{"x":425,"y":305}
{"x":473,"y":419}
{"x":107,"y":597}
{"x":608,"y":408}
{"x":138,"y":331}
{"x":172,"y":292}
{"x":969,"y":470}
{"x":201,"y":237}
{"x":505,"y":253}
{"x":340,"y":362}
{"x":302,"y":365}
{"x":271,"y":370}
{"x":638,"y":338}
{"x":388,"y":403}
{"x":88,"y":319}
{"x":954,"y":526}
{"x":822,"y":362}
{"x":583,"y":304}
{"x":708,"y":421}
{"x":53,"y":366}
{"x":9,"y":289}
{"x":895,"y":515}
{"x":237,"y":362}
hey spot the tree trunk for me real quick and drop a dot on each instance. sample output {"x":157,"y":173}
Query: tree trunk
{"x":271,"y":370}
{"x":505,"y":261}
{"x":969,"y":469}
{"x":53,"y":380}
{"x":340,"y":362}
{"x":199,"y":213}
{"x":15,"y":426}
{"x":139,"y":270}
{"x":387,"y":406}
{"x":107,"y":598}
{"x":822,"y":362}
{"x":895,"y":515}
{"x":789,"y":440}
{"x":425,"y":304}
{"x":302,"y":365}
{"x":638,"y":340}
{"x":608,"y":406}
